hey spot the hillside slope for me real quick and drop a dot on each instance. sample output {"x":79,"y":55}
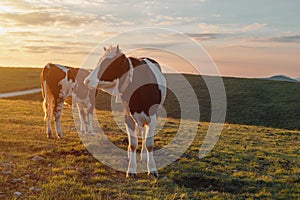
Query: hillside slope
{"x":249,"y":101}
{"x":260,"y":102}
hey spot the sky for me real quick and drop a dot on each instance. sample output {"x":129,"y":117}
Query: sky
{"x":257,"y":38}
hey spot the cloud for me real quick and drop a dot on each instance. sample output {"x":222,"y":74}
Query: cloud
{"x":279,"y":39}
{"x":151,"y":45}
{"x":43,"y":18}
{"x":202,"y":36}
{"x":209,"y":27}
{"x":167,"y":20}
{"x":229,"y":28}
{"x":57,"y":49}
{"x":286,"y":39}
{"x":40,"y":46}
{"x":16,"y":5}
{"x":111,"y":19}
{"x":35,"y":34}
{"x":253,"y":27}
{"x":68,"y":44}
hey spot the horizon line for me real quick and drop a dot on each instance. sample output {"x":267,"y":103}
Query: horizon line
{"x":225,"y":76}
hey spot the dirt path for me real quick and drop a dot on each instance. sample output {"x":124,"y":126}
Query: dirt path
{"x":12,"y":94}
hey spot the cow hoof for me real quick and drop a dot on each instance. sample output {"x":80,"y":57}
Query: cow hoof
{"x":60,"y":137}
{"x":154,"y":174}
{"x":50,"y":136}
{"x":91,"y":134}
{"x":130,"y":175}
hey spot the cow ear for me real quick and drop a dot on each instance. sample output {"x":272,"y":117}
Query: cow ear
{"x":104,"y":48}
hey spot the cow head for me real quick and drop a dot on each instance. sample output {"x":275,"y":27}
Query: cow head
{"x":110,"y":68}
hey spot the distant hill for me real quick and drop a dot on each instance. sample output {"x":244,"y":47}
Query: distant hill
{"x":282,"y":78}
{"x":298,"y":79}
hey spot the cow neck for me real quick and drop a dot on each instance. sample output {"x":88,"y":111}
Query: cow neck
{"x":128,"y":79}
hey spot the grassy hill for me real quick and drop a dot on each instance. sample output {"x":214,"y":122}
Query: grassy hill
{"x":248,"y":162}
{"x":249,"y":101}
{"x":260,"y":102}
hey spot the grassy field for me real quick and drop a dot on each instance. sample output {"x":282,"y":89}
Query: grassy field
{"x":248,"y":162}
{"x":15,"y":79}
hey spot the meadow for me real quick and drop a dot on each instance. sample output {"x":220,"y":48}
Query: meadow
{"x":255,"y":158}
{"x":16,"y":79}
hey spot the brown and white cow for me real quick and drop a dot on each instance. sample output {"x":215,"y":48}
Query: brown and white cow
{"x":141,"y":87}
{"x":61,"y":84}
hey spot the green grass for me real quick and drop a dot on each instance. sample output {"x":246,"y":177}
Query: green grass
{"x":15,"y":79}
{"x":248,"y":162}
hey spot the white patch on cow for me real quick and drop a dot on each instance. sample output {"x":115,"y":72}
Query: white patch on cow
{"x":146,"y":126}
{"x":128,"y":79}
{"x":58,"y":120}
{"x":82,"y":117}
{"x":86,"y":118}
{"x":63,"y":68}
{"x":141,"y":119}
{"x":111,"y":88}
{"x":161,"y":81}
{"x":143,"y":148}
{"x":150,"y":132}
{"x":133,"y":141}
{"x":92,"y":79}
{"x":111,"y":52}
{"x":67,"y":87}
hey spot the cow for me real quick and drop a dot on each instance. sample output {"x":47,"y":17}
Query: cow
{"x":141,"y":87}
{"x":62,"y":84}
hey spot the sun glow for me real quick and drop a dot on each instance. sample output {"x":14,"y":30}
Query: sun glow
{"x":2,"y":31}
{"x":6,"y":9}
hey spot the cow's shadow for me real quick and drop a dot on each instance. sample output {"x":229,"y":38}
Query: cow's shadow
{"x":204,"y":183}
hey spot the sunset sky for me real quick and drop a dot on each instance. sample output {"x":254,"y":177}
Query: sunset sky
{"x":256,"y":38}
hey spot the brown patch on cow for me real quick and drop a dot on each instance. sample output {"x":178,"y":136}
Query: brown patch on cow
{"x":145,"y":97}
{"x":72,"y":73}
{"x":112,"y":69}
{"x":52,"y":76}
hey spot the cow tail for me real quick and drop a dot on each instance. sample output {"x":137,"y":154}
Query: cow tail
{"x":43,"y":76}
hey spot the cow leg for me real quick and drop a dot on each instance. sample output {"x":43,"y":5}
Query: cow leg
{"x":90,"y":118}
{"x":57,"y":111}
{"x":150,"y":131}
{"x":47,"y":105}
{"x":143,"y":149}
{"x":132,"y":146}
{"x":82,"y":117}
